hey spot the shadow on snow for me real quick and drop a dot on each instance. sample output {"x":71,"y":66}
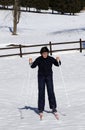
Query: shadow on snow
{"x":32,"y":109}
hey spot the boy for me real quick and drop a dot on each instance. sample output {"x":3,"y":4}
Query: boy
{"x":45,"y":76}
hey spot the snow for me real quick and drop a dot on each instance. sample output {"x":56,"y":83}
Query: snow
{"x":18,"y":82}
{"x":42,"y":28}
{"x":19,"y":89}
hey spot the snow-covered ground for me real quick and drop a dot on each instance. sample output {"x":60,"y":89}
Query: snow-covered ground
{"x":42,"y":28}
{"x":18,"y":86}
{"x":19,"y":89}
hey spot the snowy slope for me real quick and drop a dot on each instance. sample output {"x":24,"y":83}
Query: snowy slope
{"x":19,"y":89}
{"x":42,"y":28}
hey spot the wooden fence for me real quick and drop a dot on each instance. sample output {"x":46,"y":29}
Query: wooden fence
{"x":50,"y":45}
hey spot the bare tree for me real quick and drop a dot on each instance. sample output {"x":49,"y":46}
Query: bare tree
{"x":16,"y":16}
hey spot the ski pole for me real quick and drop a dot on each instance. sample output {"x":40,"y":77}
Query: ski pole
{"x":27,"y":82}
{"x":64,"y":85}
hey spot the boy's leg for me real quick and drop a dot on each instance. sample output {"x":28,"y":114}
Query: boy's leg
{"x":41,"y":93}
{"x":51,"y":94}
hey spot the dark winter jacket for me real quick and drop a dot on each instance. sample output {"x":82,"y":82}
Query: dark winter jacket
{"x":45,"y":65}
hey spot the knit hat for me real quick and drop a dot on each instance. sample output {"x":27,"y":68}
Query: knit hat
{"x":44,"y":49}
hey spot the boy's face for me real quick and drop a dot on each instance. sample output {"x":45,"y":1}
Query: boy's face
{"x":45,"y":54}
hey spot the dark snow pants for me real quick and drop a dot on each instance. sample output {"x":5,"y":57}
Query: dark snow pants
{"x":48,"y":80}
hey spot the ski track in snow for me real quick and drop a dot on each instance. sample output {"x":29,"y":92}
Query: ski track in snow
{"x":18,"y":89}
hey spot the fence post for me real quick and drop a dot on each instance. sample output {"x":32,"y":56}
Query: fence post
{"x":20,"y":47}
{"x":80,"y":45}
{"x":50,"y":48}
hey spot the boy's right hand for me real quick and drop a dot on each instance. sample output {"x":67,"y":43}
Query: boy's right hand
{"x":30,"y":60}
{"x":58,"y":59}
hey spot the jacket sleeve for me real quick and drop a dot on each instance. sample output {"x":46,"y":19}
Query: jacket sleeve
{"x":56,"y":63}
{"x":34,"y":64}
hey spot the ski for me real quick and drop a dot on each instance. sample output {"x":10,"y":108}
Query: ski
{"x":56,"y":115}
{"x":41,"y":116}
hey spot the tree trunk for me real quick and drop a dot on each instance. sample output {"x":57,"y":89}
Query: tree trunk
{"x":52,"y":11}
{"x":16,"y":15}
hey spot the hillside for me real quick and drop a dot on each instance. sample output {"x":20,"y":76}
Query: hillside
{"x":42,"y":28}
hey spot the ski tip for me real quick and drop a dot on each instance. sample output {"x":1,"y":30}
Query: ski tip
{"x":56,"y":116}
{"x":41,"y":116}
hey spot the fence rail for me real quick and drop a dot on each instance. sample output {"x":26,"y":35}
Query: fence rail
{"x":21,"y":47}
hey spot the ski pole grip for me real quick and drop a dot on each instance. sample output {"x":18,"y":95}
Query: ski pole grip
{"x":58,"y":60}
{"x":30,"y":61}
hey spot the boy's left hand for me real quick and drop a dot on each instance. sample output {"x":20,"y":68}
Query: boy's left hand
{"x":58,"y":59}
